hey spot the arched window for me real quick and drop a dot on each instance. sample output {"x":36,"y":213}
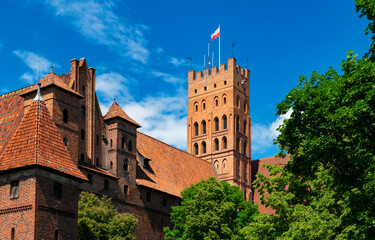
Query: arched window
{"x":203,"y":127}
{"x":224,"y":100}
{"x":237,"y":123}
{"x":196,"y":148}
{"x":204,"y":149}
{"x":65,"y":140}
{"x":238,"y":101}
{"x":244,"y":127}
{"x":130,"y":146}
{"x":65,"y":116}
{"x":224,"y":163}
{"x":83,"y":112}
{"x":216,"y":164}
{"x":203,"y":105}
{"x":225,"y":143}
{"x":82,"y":157}
{"x":196,"y":107}
{"x":245,"y":106}
{"x":122,"y":142}
{"x":111,"y":143}
{"x":126,"y":165}
{"x":82,"y":134}
{"x":225,"y":125}
{"x":111,"y":165}
{"x":216,"y":124}
{"x":244,"y":147}
{"x":216,"y":101}
{"x":196,"y":129}
{"x":238,"y":144}
{"x":216,"y":143}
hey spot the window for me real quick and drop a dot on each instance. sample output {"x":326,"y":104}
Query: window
{"x":83,"y":112}
{"x":203,"y":127}
{"x":14,"y":186}
{"x":245,"y":106}
{"x":123,"y":142}
{"x":130,"y":146}
{"x":224,"y":100}
{"x":13,"y":234}
{"x":97,"y":140}
{"x":237,"y":123}
{"x":146,"y":164}
{"x":244,"y":127}
{"x":205,"y":88}
{"x":65,"y":116}
{"x":111,"y":165}
{"x":216,"y":164}
{"x":238,"y":101}
{"x":225,"y":82}
{"x":244,"y":147}
{"x":216,"y":144}
{"x":216,"y":124}
{"x":106,"y":184}
{"x":204,"y":150}
{"x":111,"y":143}
{"x":238,"y":144}
{"x":203,"y":106}
{"x":126,"y":189}
{"x":57,"y":191}
{"x":195,"y":90}
{"x":97,"y":162}
{"x":82,"y":159}
{"x":89,"y":176}
{"x":225,"y":143}
{"x":83,"y":88}
{"x":215,"y":85}
{"x":196,"y":148}
{"x":65,"y":140}
{"x":126,"y":165}
{"x":148,"y":196}
{"x":82,"y":134}
{"x":225,"y":125}
{"x":196,"y":107}
{"x":216,"y":102}
{"x":196,"y":129}
{"x":164,"y":201}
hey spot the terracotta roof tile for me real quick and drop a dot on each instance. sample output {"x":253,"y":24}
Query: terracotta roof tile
{"x":38,"y":142}
{"x":171,"y":169}
{"x":96,"y":169}
{"x":116,"y":111}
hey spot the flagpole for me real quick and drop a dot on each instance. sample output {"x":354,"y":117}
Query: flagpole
{"x":219,"y":46}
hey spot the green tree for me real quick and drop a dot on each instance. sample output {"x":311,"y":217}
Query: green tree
{"x":210,"y":210}
{"x":98,"y":219}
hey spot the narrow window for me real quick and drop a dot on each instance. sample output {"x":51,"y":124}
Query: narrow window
{"x":216,"y":124}
{"x":244,"y":127}
{"x":244,"y":147}
{"x":57,"y":191}
{"x":130,"y":146}
{"x":225,"y":82}
{"x":146,"y":164}
{"x":237,"y":123}
{"x":14,"y":186}
{"x":65,"y":140}
{"x":106,"y":184}
{"x":225,"y":125}
{"x":205,"y":88}
{"x":216,"y":144}
{"x":216,"y":102}
{"x":97,"y":162}
{"x":196,"y":108}
{"x":65,"y":116}
{"x":196,"y":148}
{"x":89,"y":176}
{"x":238,"y":144}
{"x":13,"y":234}
{"x":238,"y":101}
{"x":164,"y":201}
{"x":203,"y":127}
{"x":225,"y":144}
{"x":204,"y":150}
{"x":97,"y":140}
{"x":126,"y":189}
{"x":111,"y":165}
{"x":196,"y":129}
{"x":56,"y":234}
{"x":225,"y":100}
{"x":83,"y":112}
{"x":82,"y":134}
{"x":111,"y":143}
{"x":215,"y":85}
{"x":204,"y":106}
{"x":82,"y":159}
{"x":123,"y":142}
{"x":83,"y":88}
{"x":216,"y":164}
{"x":245,"y":106}
{"x":126,"y":165}
{"x":148,"y":196}
{"x":195,"y":90}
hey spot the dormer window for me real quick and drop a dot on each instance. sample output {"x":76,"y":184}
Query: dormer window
{"x":146,"y":164}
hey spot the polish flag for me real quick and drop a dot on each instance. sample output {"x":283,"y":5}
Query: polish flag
{"x":215,"y":34}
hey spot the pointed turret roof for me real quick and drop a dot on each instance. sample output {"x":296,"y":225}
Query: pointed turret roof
{"x":116,"y":111}
{"x":37,"y":142}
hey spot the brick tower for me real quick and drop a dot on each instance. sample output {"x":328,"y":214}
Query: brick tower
{"x":218,"y":124}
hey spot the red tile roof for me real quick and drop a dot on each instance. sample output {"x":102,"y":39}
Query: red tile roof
{"x":116,"y":111}
{"x":171,"y":169}
{"x":96,"y":169}
{"x":38,"y":142}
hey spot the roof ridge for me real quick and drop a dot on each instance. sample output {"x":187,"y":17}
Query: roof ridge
{"x":17,"y":90}
{"x":172,"y":146}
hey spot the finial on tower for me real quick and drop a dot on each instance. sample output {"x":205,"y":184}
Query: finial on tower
{"x":52,"y":68}
{"x":38,"y":96}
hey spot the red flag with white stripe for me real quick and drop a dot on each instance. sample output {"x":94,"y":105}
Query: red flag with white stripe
{"x":215,"y":34}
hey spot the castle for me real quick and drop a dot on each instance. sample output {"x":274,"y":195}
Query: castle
{"x":55,"y":143}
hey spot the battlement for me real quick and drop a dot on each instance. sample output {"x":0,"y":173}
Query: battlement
{"x":232,"y":66}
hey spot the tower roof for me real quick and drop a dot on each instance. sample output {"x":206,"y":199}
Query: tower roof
{"x":116,"y":111}
{"x":37,"y":142}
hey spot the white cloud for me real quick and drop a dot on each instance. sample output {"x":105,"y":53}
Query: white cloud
{"x":262,"y":135}
{"x":177,"y":62}
{"x":97,"y":20}
{"x":168,"y":77}
{"x":112,"y":85}
{"x":36,"y":63}
{"x":163,"y":118}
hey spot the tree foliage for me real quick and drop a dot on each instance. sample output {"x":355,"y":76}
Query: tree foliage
{"x":210,"y":210}
{"x":98,"y":219}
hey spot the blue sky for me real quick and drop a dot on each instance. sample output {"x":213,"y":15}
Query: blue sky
{"x":139,"y":50}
